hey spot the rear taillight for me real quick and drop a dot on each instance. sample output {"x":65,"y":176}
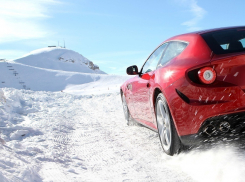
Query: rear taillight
{"x":207,"y":75}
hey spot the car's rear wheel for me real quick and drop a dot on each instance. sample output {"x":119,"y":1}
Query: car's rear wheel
{"x":166,"y":129}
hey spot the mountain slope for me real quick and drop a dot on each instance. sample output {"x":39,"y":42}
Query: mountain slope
{"x":58,"y":69}
{"x":59,"y":59}
{"x":22,"y":76}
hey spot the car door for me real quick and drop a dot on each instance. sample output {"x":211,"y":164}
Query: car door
{"x":142,"y":85}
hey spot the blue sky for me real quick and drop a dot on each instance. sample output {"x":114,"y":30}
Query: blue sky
{"x":113,"y":34}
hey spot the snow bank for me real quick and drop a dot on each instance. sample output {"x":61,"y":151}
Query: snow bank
{"x":2,"y":97}
{"x":13,"y":107}
{"x":30,"y":124}
{"x":2,"y":105}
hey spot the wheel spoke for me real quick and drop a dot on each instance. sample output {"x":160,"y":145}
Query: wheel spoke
{"x":166,"y":136}
{"x":163,"y":121}
{"x":162,"y":130}
{"x":167,"y":119}
{"x":163,"y":113}
{"x":162,"y":138}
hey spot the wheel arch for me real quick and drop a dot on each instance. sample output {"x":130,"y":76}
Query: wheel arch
{"x":155,"y":94}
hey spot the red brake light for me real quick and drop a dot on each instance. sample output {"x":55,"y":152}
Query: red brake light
{"x":207,"y":75}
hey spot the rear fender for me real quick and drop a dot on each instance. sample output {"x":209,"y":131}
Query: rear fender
{"x":230,"y":69}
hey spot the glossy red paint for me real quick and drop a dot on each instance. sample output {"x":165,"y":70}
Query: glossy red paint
{"x":226,"y":95}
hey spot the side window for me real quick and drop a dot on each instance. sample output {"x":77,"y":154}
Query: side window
{"x":225,"y":46}
{"x":174,"y":49}
{"x":243,"y":42}
{"x":238,"y":44}
{"x":151,"y":63}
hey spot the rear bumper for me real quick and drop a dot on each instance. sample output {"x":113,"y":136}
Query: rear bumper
{"x":230,"y":126}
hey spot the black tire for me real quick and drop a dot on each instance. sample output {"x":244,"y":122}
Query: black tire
{"x":127,"y":115}
{"x":166,"y":129}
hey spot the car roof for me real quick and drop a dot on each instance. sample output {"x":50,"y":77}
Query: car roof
{"x":215,"y":29}
{"x":187,"y":36}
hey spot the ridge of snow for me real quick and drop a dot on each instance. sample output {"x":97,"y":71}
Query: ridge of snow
{"x":21,"y":76}
{"x":59,"y":59}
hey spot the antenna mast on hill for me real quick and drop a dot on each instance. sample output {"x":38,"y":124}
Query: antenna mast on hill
{"x":58,"y":43}
{"x":64,"y":44}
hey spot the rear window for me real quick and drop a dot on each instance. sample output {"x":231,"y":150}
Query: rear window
{"x":226,"y":41}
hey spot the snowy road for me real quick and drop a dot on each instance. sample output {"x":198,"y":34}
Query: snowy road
{"x":54,"y":136}
{"x":101,"y":147}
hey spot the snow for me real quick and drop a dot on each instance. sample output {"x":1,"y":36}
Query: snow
{"x":105,"y":84}
{"x":70,"y":126}
{"x":59,"y":59}
{"x":43,"y":79}
{"x":65,"y":137}
{"x":76,"y":138}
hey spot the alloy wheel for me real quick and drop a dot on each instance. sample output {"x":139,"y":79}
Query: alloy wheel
{"x":164,"y":125}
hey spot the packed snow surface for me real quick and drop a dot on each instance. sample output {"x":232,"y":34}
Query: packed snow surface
{"x":55,"y":136}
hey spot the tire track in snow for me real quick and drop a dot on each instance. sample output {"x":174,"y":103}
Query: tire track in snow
{"x":109,"y":150}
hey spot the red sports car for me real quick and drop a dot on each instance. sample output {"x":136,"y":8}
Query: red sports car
{"x":191,"y":87}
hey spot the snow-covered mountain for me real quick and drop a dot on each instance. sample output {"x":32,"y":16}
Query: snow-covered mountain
{"x":59,"y":59}
{"x":56,"y":69}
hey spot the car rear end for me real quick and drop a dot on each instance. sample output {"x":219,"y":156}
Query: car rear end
{"x":212,"y":94}
{"x":228,"y":62}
